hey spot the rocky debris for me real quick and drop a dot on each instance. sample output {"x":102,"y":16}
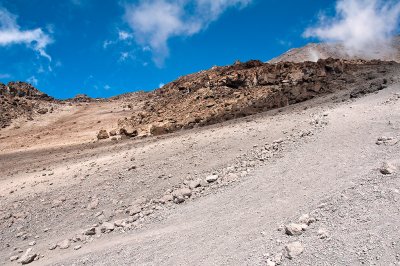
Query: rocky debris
{"x":90,"y":231}
{"x":20,"y":99}
{"x":113,"y":132}
{"x":322,"y":233}
{"x":102,"y":134}
{"x":243,"y":89}
{"x":126,"y":128}
{"x":94,"y":203}
{"x":166,"y":198}
{"x":211,"y":178}
{"x":52,"y":246}
{"x":107,"y":227}
{"x":64,"y":244}
{"x":180,"y":195}
{"x":389,"y":141}
{"x":13,"y":258}
{"x":293,"y":249}
{"x":387,"y":168}
{"x":293,"y":229}
{"x":42,"y":111}
{"x":369,"y":88}
{"x":134,"y":209}
{"x":195,"y":183}
{"x":81,"y":98}
{"x":28,"y":257}
{"x":306,"y":219}
{"x":77,"y":247}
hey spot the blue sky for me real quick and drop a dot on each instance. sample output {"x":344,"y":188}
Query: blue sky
{"x":107,"y":47}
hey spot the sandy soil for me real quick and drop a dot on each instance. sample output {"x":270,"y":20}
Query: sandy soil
{"x":319,"y":157}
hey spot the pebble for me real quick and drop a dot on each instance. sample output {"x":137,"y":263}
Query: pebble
{"x":293,"y":229}
{"x":12,"y":258}
{"x":306,"y":219}
{"x":28,"y":257}
{"x":293,"y":249}
{"x":107,"y":227}
{"x":211,"y":178}
{"x":387,"y":168}
{"x":194,"y":184}
{"x":89,"y":232}
{"x":64,"y":244}
{"x":322,"y":233}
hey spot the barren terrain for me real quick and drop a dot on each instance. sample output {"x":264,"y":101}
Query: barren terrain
{"x":230,"y":193}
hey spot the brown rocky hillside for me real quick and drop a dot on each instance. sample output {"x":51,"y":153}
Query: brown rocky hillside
{"x":20,"y":99}
{"x":224,"y":93}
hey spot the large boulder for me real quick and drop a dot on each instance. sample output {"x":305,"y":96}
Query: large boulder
{"x":126,"y":128}
{"x":102,"y":134}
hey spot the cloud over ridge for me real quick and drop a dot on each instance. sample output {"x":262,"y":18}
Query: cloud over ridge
{"x":362,"y":26}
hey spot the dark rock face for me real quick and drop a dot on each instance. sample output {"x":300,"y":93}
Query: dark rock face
{"x":224,"y":93}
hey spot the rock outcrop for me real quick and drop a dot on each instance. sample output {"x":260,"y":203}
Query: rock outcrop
{"x":18,"y":99}
{"x":243,"y":89}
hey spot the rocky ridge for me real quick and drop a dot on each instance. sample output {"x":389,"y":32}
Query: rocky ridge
{"x":20,"y":99}
{"x":224,"y":93}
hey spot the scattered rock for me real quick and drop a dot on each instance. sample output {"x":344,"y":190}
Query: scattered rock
{"x":211,"y":178}
{"x":32,"y":243}
{"x":195,"y":183}
{"x":107,"y":227}
{"x":102,"y":134}
{"x":52,"y":246}
{"x":166,"y":198}
{"x":387,"y":168}
{"x":113,"y":132}
{"x":93,"y":204}
{"x":322,"y":233}
{"x":293,"y":249}
{"x":270,"y":263}
{"x":293,"y":229}
{"x":13,"y":258}
{"x":64,"y":244}
{"x":306,"y":219}
{"x":133,"y":210}
{"x":77,"y":247}
{"x":183,"y":192}
{"x":28,"y":257}
{"x":42,"y":111}
{"x":90,"y":232}
{"x":390,"y":141}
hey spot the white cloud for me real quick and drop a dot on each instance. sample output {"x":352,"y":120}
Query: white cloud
{"x":11,"y":33}
{"x":107,"y":43}
{"x":361,"y":25}
{"x":124,"y":56}
{"x":154,"y":22}
{"x":123,"y":35}
{"x":5,"y":76}
{"x":33,"y":80}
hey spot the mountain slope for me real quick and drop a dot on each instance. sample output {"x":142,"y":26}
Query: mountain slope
{"x":314,"y":51}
